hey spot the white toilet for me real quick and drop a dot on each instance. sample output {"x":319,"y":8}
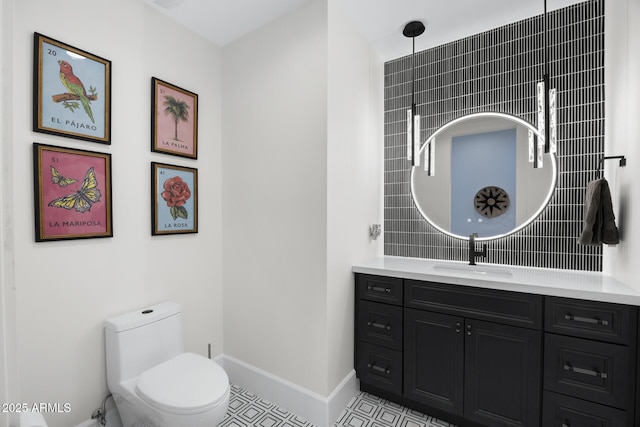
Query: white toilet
{"x":153,"y":381}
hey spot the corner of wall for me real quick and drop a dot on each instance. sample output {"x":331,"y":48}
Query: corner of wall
{"x":622,"y":61}
{"x":318,"y":410}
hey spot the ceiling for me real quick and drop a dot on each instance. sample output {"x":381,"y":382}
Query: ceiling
{"x":380,"y":21}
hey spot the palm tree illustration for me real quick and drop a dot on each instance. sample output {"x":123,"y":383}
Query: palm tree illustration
{"x":178,"y":110}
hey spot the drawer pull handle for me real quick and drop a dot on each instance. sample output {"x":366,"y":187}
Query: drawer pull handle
{"x":379,"y":369}
{"x":378,"y":289}
{"x":379,"y":325}
{"x":586,"y":320}
{"x":585,"y":371}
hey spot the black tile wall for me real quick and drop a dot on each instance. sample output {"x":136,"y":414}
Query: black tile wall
{"x":498,"y":71}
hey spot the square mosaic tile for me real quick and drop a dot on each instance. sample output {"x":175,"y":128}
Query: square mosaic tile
{"x":367,"y":410}
{"x":364,"y":410}
{"x":247,"y":409}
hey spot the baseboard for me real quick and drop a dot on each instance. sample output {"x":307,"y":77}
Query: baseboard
{"x":312,"y":407}
{"x":113,"y":420}
{"x":341,"y":396}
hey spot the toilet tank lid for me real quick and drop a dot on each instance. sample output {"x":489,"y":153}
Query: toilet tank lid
{"x":142,"y":316}
{"x":187,"y":384}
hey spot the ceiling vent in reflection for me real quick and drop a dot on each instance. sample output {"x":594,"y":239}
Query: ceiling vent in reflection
{"x":491,"y":201}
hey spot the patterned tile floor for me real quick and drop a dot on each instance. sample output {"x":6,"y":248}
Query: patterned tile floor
{"x":364,"y":410}
{"x":247,"y":409}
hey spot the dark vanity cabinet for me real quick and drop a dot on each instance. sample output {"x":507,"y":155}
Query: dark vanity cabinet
{"x":482,"y":357}
{"x":473,"y":352}
{"x":590,"y":362}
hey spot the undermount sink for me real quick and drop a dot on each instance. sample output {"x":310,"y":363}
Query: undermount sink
{"x":474,"y":270}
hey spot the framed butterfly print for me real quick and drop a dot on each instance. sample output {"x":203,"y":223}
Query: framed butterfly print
{"x":174,"y":120}
{"x":72,"y":91}
{"x":174,"y":199}
{"x":72,"y":190}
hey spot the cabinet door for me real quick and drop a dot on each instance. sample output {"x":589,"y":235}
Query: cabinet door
{"x":434,"y":359}
{"x":502,"y":374}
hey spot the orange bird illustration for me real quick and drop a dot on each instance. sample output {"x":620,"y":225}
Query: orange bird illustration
{"x":75,"y":86}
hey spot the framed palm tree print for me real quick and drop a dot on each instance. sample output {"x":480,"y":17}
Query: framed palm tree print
{"x":174,"y":120}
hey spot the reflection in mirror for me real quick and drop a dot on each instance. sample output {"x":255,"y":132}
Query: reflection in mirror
{"x":483,"y":181}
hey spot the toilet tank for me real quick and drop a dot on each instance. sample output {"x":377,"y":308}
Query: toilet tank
{"x":141,"y":339}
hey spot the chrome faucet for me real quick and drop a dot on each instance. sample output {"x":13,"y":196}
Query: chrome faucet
{"x":472,"y":249}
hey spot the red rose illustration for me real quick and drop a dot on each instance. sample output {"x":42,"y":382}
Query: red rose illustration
{"x":176,"y":193}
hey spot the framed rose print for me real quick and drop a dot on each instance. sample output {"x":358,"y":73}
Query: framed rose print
{"x":72,"y":191}
{"x":174,"y":120}
{"x":174,"y":199}
{"x":72,"y":91}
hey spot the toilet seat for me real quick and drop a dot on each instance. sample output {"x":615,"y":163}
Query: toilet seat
{"x":187,"y":384}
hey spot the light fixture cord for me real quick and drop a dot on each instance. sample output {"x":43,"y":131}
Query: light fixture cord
{"x":546,"y":81}
{"x":413,"y":73}
{"x":544,"y":39}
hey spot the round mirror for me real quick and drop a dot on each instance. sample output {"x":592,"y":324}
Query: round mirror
{"x":481,"y":179}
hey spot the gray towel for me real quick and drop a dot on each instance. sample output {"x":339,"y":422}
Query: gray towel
{"x":599,"y":221}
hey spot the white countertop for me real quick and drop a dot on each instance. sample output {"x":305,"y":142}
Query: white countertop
{"x":544,"y":281}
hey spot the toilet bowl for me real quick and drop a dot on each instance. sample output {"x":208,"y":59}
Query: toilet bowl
{"x":153,"y":381}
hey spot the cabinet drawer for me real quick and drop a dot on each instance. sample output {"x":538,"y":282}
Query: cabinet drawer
{"x":592,"y":370}
{"x":380,"y":324}
{"x":591,"y":319}
{"x":379,"y":366}
{"x":379,"y":288}
{"x":512,"y":308}
{"x":565,"y":411}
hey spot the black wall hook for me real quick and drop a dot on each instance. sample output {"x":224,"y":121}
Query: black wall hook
{"x":623,"y":162}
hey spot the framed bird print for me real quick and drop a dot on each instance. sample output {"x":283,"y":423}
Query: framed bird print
{"x":174,"y":120}
{"x":174,"y":199}
{"x":72,"y":91}
{"x":72,"y":191}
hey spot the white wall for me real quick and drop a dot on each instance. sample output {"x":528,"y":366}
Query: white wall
{"x":8,"y":362}
{"x":622,"y":68}
{"x":302,"y":180}
{"x":63,"y":291}
{"x":274,"y":196}
{"x":355,"y":117}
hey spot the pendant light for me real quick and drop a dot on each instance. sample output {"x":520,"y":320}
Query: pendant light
{"x":413,"y":29}
{"x":546,"y":142}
